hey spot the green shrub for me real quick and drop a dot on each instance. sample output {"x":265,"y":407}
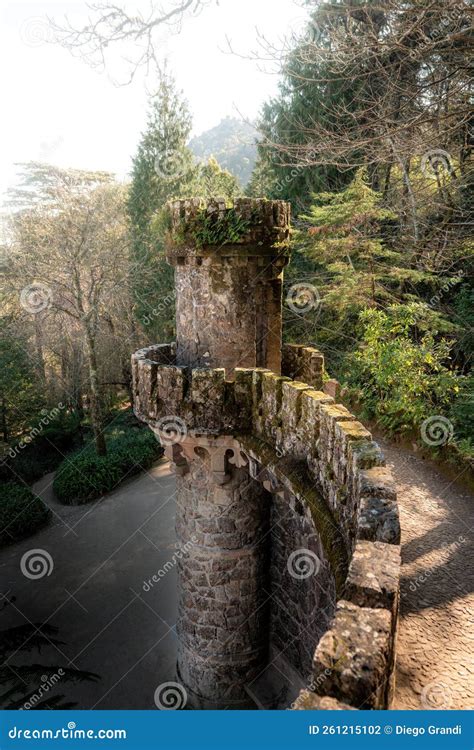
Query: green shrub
{"x":21,"y":513}
{"x":400,"y":372}
{"x":84,"y":475}
{"x":32,"y":459}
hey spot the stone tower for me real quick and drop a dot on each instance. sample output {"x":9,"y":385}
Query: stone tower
{"x":229,"y":292}
{"x":274,"y":483}
{"x":228,"y":315}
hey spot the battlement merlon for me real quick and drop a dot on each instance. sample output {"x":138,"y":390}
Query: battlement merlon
{"x":229,"y":259}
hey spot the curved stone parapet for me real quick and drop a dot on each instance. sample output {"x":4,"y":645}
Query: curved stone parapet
{"x":331,"y":497}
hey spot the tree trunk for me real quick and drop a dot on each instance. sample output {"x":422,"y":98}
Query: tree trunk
{"x":37,"y":321}
{"x":95,"y":400}
{"x":4,"y":421}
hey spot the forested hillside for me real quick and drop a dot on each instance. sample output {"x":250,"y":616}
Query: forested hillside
{"x":232,"y":143}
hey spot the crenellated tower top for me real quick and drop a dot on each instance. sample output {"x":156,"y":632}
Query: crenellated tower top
{"x":228,"y":259}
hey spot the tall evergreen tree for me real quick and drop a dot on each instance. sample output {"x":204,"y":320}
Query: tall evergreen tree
{"x":163,"y":168}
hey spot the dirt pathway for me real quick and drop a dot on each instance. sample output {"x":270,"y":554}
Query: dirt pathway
{"x":435,"y":662}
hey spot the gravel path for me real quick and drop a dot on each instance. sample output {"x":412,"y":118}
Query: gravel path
{"x":435,"y":664}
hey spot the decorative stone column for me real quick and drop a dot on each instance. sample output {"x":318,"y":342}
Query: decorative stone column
{"x":228,"y":273}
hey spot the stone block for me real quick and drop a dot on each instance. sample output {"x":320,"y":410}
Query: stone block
{"x":346,"y":432}
{"x":308,"y":701}
{"x":353,"y":658}
{"x":271,"y":406}
{"x":243,"y":403}
{"x":378,"y":518}
{"x":291,"y":414}
{"x":374,"y":575}
{"x":206,"y":397}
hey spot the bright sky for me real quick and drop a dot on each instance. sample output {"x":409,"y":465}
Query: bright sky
{"x":58,"y":110}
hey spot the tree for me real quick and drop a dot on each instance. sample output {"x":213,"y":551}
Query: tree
{"x":69,"y":258}
{"x":214,"y":182}
{"x":135,"y":32}
{"x":384,"y":86}
{"x":21,"y":396}
{"x":162,"y":168}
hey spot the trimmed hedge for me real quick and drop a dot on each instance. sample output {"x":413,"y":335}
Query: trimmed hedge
{"x":21,"y":513}
{"x":44,"y":453}
{"x":84,"y":475}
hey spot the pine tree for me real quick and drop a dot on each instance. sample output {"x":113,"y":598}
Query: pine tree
{"x":163,"y":168}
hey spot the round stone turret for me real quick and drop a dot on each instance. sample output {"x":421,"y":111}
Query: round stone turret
{"x":228,"y":259}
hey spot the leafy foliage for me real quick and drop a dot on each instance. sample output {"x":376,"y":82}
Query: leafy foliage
{"x":400,"y":369}
{"x":24,"y":685}
{"x":205,"y":229}
{"x":21,"y":513}
{"x":162,"y":168}
{"x":84,"y":475}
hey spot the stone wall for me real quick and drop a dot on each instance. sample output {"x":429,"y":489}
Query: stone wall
{"x":303,"y":363}
{"x":332,"y":497}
